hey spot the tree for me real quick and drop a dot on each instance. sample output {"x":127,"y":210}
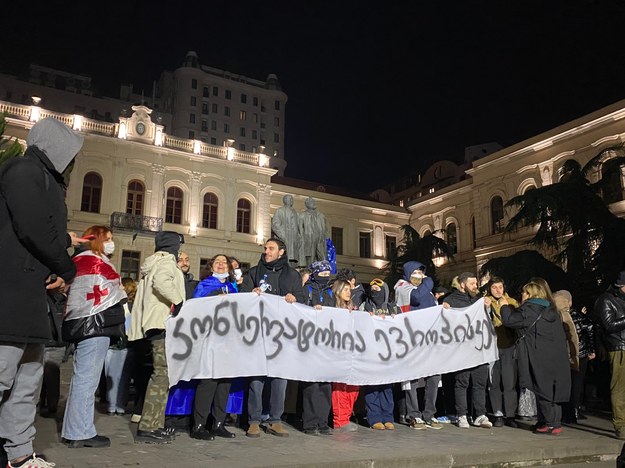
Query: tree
{"x":414,"y":247}
{"x":9,"y":147}
{"x":573,"y":220}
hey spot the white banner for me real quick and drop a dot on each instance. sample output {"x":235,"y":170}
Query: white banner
{"x":245,"y":334}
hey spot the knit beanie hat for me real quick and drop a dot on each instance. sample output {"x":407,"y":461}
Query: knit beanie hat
{"x":168,"y":241}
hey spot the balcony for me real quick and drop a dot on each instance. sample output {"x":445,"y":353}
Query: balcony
{"x":136,"y":223}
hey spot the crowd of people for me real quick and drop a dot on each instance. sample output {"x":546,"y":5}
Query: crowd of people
{"x":115,"y":328}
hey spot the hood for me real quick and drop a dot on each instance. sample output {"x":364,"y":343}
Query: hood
{"x":411,"y":266}
{"x":168,"y":241}
{"x":154,"y":259}
{"x":59,"y":142}
{"x":380,"y":298}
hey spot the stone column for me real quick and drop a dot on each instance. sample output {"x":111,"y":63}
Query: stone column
{"x":195,"y":203}
{"x":157,"y":194}
{"x":263,"y":215}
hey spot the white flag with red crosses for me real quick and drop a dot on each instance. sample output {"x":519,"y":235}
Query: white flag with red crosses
{"x":97,"y":286}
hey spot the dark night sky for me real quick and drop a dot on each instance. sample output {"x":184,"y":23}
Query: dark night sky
{"x":374,"y":91}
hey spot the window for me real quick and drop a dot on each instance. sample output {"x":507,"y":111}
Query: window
{"x":276,"y":105}
{"x":276,"y":138}
{"x":213,"y":140}
{"x":215,"y":91}
{"x":131,"y":263}
{"x":254,"y":135}
{"x":226,"y":111}
{"x":242,"y":146}
{"x":228,"y":94}
{"x":191,"y":134}
{"x":173,"y":208}
{"x":242,"y":115}
{"x":204,"y":264}
{"x":276,"y":121}
{"x":192,"y":118}
{"x":213,"y":125}
{"x":215,"y":108}
{"x":452,"y":238}
{"x":243,"y":98}
{"x":337,"y":239}
{"x":611,"y":190}
{"x":255,"y":118}
{"x":193,"y":83}
{"x":91,"y":193}
{"x":193,"y":101}
{"x":244,"y":211}
{"x":242,"y":131}
{"x":134,"y":201}
{"x":496,"y":215}
{"x":226,"y":128}
{"x":255,"y":101}
{"x":205,"y":92}
{"x":205,"y":108}
{"x":365,"y":244}
{"x":204,"y":126}
{"x":209,"y":212}
{"x":391,"y":246}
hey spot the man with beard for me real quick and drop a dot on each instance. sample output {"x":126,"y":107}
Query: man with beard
{"x":463,"y":297}
{"x":189,"y":282}
{"x":272,"y":275}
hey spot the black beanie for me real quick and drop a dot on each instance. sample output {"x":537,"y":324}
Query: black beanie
{"x":168,"y":241}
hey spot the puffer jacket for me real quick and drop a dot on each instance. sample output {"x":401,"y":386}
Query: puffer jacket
{"x":160,"y":287}
{"x":609,"y":315}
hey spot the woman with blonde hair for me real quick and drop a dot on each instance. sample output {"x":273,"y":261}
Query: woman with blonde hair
{"x":541,"y":352}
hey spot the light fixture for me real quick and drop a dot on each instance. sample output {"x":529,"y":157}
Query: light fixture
{"x":197,"y":147}
{"x":77,"y":124}
{"x":229,"y":144}
{"x":193,"y":230}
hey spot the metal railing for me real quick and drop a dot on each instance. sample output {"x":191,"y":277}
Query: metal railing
{"x":136,"y":223}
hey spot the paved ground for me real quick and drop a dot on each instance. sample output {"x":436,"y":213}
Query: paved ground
{"x":590,"y":444}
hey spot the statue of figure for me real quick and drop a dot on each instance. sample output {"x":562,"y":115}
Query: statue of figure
{"x":285,"y":225}
{"x":313,"y":228}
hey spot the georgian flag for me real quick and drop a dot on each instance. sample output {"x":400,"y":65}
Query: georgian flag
{"x":97,"y":286}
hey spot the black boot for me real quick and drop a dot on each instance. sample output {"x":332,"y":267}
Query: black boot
{"x":221,"y":431}
{"x":157,"y":436}
{"x":200,"y":432}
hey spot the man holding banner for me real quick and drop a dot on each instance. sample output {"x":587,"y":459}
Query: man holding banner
{"x":272,"y":275}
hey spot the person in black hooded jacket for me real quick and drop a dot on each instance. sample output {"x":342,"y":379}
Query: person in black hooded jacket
{"x":33,"y":253}
{"x":272,"y":275}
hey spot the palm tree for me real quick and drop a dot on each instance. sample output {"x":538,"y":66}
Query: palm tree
{"x":574,"y":220}
{"x":414,"y":247}
{"x":9,"y":147}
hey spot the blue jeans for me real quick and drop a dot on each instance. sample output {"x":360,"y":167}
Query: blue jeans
{"x":79,"y":411}
{"x":21,"y":371}
{"x":117,"y":375}
{"x":276,"y":401}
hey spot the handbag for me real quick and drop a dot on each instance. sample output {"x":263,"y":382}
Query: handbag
{"x":521,"y":339}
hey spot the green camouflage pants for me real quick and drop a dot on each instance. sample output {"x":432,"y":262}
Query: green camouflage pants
{"x":153,"y":416}
{"x":617,"y":388}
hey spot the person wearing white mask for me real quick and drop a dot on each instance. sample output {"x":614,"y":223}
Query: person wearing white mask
{"x":94,"y":316}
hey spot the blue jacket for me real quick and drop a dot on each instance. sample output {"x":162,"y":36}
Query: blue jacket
{"x":211,"y":286}
{"x":421,"y":296}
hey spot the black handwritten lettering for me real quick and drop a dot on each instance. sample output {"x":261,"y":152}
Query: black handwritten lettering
{"x":221,"y":324}
{"x":203,"y":326}
{"x":188,"y":342}
{"x":446,"y":337}
{"x":400,"y":341}
{"x":380,"y":334}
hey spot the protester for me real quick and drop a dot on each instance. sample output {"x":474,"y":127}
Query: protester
{"x":94,"y":316}
{"x":160,"y":293}
{"x":272,"y":275}
{"x":33,"y":229}
{"x":358,"y":293}
{"x":541,"y":352}
{"x":211,"y":395}
{"x":236,"y":268}
{"x":189,"y":282}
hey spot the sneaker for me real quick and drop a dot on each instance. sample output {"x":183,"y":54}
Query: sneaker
{"x":378,"y":426}
{"x":389,"y":426}
{"x":463,"y":423}
{"x":96,"y":441}
{"x":510,"y":422}
{"x":277,"y":429}
{"x":548,"y":430}
{"x":482,"y":421}
{"x":418,"y":424}
{"x":34,"y":462}
{"x":498,"y":421}
{"x":326,"y":430}
{"x":312,"y":431}
{"x":349,"y":427}
{"x":253,"y":431}
{"x":157,"y":436}
{"x":135,"y":418}
{"x":443,"y":420}
{"x":433,"y":424}
{"x":453,"y":418}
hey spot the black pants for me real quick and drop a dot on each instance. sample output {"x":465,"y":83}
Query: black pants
{"x":478,"y":376}
{"x":449,"y":399}
{"x":316,"y":404}
{"x":503,"y":394}
{"x":551,"y":412}
{"x":211,"y":393}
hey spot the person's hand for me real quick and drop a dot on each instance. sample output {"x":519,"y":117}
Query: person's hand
{"x":487,"y":301}
{"x":317,"y":307}
{"x":76,"y":241}
{"x":257,"y":291}
{"x":371,"y":313}
{"x":290,"y":298}
{"x":446,"y":305}
{"x":55,"y":283}
{"x":591,"y":356}
{"x":584,"y":310}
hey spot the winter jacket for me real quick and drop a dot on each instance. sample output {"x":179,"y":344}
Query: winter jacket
{"x":161,"y":287}
{"x":585,"y":333}
{"x":189,"y":285}
{"x":33,"y":230}
{"x":609,"y":315}
{"x":378,"y":302}
{"x":280,"y":276}
{"x":541,"y":349}
{"x":319,"y":293}
{"x":411,"y":297}
{"x":211,"y":286}
{"x":459,"y":300}
{"x":505,"y":336}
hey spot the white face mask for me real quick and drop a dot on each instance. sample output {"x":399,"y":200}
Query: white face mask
{"x":220,"y":275}
{"x":109,"y":247}
{"x":238,"y":273}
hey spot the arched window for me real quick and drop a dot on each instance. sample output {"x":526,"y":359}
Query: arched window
{"x":134,"y":200}
{"x":496,"y":215}
{"x":244,"y":211}
{"x":91,"y":193}
{"x":426,"y":233}
{"x":528,"y":188}
{"x":452,"y":238}
{"x":611,"y":187}
{"x":173,"y":208}
{"x":209,"y":212}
